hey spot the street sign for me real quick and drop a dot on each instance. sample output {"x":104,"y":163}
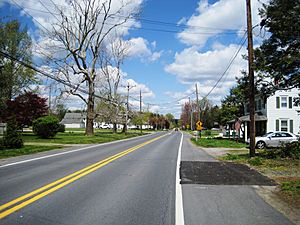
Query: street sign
{"x":199,"y":125}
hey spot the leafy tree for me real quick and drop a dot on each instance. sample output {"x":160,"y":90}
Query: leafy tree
{"x":13,"y":76}
{"x":234,"y":103}
{"x":46,"y":127}
{"x":158,"y":122}
{"x":212,"y":116}
{"x":185,"y":116}
{"x":12,"y":137}
{"x":60,"y":111}
{"x":26,"y":108}
{"x":170,"y":118}
{"x":277,"y":60}
{"x":228,"y":112}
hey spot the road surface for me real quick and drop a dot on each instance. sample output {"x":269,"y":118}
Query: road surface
{"x":130,"y":182}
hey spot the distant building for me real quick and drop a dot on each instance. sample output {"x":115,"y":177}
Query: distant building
{"x":277,"y":113}
{"x":74,"y":120}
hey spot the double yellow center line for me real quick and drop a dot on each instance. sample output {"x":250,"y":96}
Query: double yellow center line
{"x":24,"y":200}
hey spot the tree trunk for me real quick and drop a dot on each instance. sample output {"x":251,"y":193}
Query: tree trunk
{"x":89,"y":129}
{"x":124,"y":128}
{"x":115,"y":127}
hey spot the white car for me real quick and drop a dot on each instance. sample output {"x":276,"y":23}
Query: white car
{"x":275,"y":139}
{"x":104,"y":126}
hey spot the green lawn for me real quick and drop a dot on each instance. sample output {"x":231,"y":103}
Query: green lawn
{"x":26,"y":150}
{"x":72,"y":137}
{"x":214,"y":142}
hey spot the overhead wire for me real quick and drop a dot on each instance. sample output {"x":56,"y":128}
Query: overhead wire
{"x":66,"y":83}
{"x":149,"y":29}
{"x":225,"y":31}
{"x":228,"y":66}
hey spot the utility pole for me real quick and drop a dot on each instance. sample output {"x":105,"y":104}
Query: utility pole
{"x":198,"y":106}
{"x":50,"y":93}
{"x":191,"y":113}
{"x":251,"y":80}
{"x":141,"y":112}
{"x":127,"y":109}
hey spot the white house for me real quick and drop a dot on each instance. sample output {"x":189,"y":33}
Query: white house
{"x":74,"y":120}
{"x":281,"y":113}
{"x":277,"y":113}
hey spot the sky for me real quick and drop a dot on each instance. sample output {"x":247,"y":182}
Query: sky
{"x":174,"y":45}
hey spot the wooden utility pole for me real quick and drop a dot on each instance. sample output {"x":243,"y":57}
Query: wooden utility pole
{"x":141,"y":128}
{"x":191,"y":111}
{"x":50,"y":95}
{"x":198,"y":106}
{"x":251,"y":80}
{"x":127,"y":109}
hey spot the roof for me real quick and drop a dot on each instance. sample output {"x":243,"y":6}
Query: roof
{"x":247,"y":118}
{"x":71,"y":118}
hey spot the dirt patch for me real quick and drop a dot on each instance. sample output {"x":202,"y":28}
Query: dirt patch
{"x":217,"y":152}
{"x":220,"y":173}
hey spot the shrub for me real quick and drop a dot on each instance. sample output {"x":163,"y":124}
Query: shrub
{"x":12,"y":138}
{"x":46,"y":127}
{"x":207,"y":133}
{"x":61,"y":128}
{"x":256,"y":161}
{"x":232,"y":157}
{"x":289,"y":150}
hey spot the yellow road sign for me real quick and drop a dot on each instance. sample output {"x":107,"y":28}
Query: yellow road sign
{"x":199,"y":125}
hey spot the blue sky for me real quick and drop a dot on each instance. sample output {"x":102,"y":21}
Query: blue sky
{"x":166,"y":59}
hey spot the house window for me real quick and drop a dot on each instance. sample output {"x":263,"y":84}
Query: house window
{"x":284,"y":125}
{"x":283,"y":102}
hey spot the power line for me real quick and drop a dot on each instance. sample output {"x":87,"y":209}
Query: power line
{"x":8,"y":56}
{"x":145,"y":20}
{"x":225,"y":31}
{"x":228,"y":66}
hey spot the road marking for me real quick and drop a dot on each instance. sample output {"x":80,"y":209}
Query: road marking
{"x":71,"y":151}
{"x":39,"y":193}
{"x":179,"y":214}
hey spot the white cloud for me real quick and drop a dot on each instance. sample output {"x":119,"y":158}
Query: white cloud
{"x":191,"y":66}
{"x":223,"y":15}
{"x":135,"y":89}
{"x":45,"y":15}
{"x":140,"y":47}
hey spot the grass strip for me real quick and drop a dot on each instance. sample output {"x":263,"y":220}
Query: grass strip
{"x":218,"y":143}
{"x":26,"y":150}
{"x":79,"y":138}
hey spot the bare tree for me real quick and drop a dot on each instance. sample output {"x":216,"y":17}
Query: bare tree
{"x":111,"y":71}
{"x":81,"y":32}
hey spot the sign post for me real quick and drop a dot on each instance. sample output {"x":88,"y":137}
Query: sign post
{"x":199,"y":128}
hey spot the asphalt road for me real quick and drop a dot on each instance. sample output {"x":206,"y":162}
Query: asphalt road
{"x":131,"y":182}
{"x":137,"y":188}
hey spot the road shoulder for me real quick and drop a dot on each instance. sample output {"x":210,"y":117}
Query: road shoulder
{"x":267,"y":193}
{"x":217,"y":203}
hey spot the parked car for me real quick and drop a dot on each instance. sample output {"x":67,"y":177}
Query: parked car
{"x":274,"y":139}
{"x":104,"y":126}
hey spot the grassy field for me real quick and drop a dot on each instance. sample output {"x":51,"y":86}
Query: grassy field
{"x":34,"y":144}
{"x":26,"y":150}
{"x":72,"y":137}
{"x":214,"y":142}
{"x":285,"y":171}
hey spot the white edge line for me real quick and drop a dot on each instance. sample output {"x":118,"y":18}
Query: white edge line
{"x":75,"y":150}
{"x":179,"y":215}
